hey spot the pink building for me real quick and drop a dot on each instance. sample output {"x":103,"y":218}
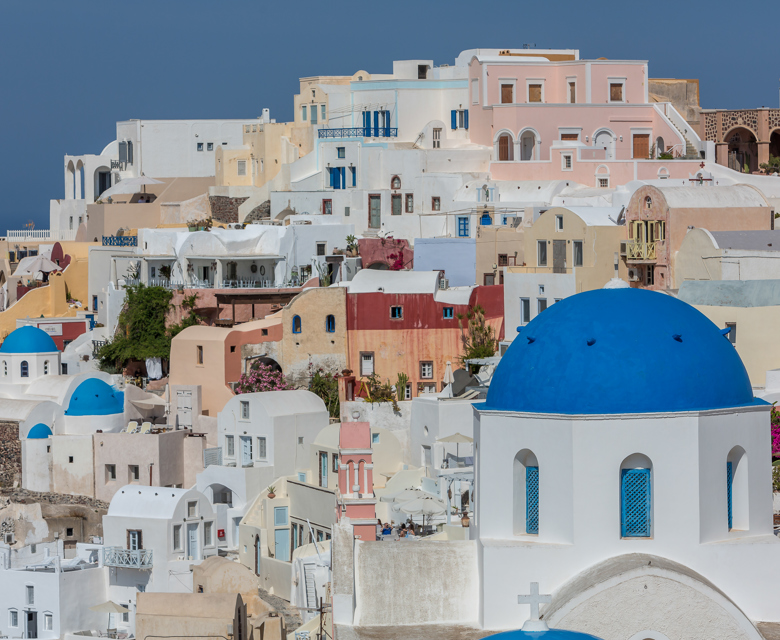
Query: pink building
{"x":356,"y":499}
{"x":549,"y":115}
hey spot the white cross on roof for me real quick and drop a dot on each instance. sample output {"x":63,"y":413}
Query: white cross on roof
{"x":534,"y":599}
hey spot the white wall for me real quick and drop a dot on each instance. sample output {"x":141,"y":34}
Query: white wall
{"x":526,"y":285}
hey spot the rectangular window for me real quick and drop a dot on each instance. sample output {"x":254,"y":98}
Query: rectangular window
{"x":192,"y":509}
{"x":230,"y":446}
{"x":532,"y":500}
{"x":475,"y":91}
{"x":541,"y":305}
{"x":346,"y":211}
{"x":541,"y":253}
{"x":577,"y":252}
{"x":341,"y":152}
{"x":13,"y":619}
{"x":409,"y":203}
{"x":208,"y":533}
{"x":572,"y":92}
{"x":199,"y":350}
{"x":177,"y":537}
{"x":559,"y":223}
{"x":303,"y":113}
{"x":463,"y":227}
{"x":422,"y":71}
{"x":126,"y":614}
{"x":69,"y":532}
{"x":650,"y":275}
{"x":507,"y":93}
{"x":245,"y":410}
{"x":262,"y":448}
{"x":566,"y":162}
{"x":541,"y":289}
{"x":30,"y":594}
{"x":448,"y":313}
{"x":436,"y":204}
{"x":110,"y":472}
{"x":603,"y":183}
{"x":525,"y":310}
{"x":635,"y":503}
{"x":321,"y":248}
{"x":47,"y":622}
{"x":280,"y":516}
{"x":134,"y":472}
{"x":437,"y":138}
{"x":426,"y":370}
{"x":241,"y":167}
{"x":366,"y":364}
{"x":313,"y":114}
{"x":732,"y":334}
{"x":397,"y":313}
{"x":488,"y":279}
{"x":322,"y":112}
{"x":374,"y":438}
{"x":503,"y":259}
{"x":616,"y":92}
{"x":209,"y":146}
{"x":571,"y":137}
{"x":730,"y":493}
{"x":353,"y":173}
{"x":94,"y":303}
{"x":199,"y":146}
{"x":408,"y":391}
{"x":534,"y":93}
{"x":335,"y":466}
{"x":396,"y":205}
{"x":327,"y":207}
{"x":462,"y":119}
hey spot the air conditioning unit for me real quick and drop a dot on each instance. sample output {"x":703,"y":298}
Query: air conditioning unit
{"x":444,"y":283}
{"x":623,"y":249}
{"x":633,"y":275}
{"x":8,"y":538}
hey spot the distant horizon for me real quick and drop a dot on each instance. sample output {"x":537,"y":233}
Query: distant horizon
{"x":76,"y":70}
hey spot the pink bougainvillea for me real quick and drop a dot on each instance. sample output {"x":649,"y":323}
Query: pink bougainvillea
{"x":262,"y":377}
{"x":775,"y":432}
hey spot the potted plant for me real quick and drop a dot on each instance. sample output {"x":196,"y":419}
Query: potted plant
{"x":352,"y":246}
{"x":271,"y":492}
{"x":464,"y":520}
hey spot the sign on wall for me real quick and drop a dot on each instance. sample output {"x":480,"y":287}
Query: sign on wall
{"x":51,"y":329}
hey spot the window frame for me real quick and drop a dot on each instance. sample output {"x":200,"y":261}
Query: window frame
{"x":409,"y":203}
{"x":475,"y":91}
{"x":616,"y":81}
{"x":448,"y":313}
{"x":567,"y":162}
{"x":199,"y":354}
{"x":529,"y":82}
{"x":574,"y":244}
{"x":464,"y":224}
{"x":330,"y":323}
{"x":176,"y":538}
{"x":327,"y":207}
{"x":525,"y":303}
{"x":362,"y":357}
{"x":541,"y":305}
{"x":244,"y":405}
{"x":262,"y":448}
{"x":571,"y":80}
{"x":230,"y":445}
{"x":424,"y":366}
{"x":396,"y":197}
{"x":239,"y":165}
{"x":541,"y":244}
{"x":731,"y":336}
{"x":341,"y":153}
{"x":110,"y":472}
{"x":397,"y":315}
{"x":435,"y":203}
{"x":507,"y":82}
{"x":297,"y":324}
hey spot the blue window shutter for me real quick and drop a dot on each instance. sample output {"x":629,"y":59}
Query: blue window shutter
{"x":466,"y":119}
{"x":729,"y":493}
{"x":353,"y":170}
{"x":343,"y":176}
{"x":387,"y":124}
{"x":635,"y":503}
{"x":532,"y":500}
{"x":332,"y":178}
{"x":367,"y":124}
{"x":376,"y":124}
{"x":454,"y":116}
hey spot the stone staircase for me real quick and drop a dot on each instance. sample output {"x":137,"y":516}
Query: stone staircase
{"x":690,"y":150}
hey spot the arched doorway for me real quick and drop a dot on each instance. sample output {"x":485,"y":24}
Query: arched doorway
{"x":102,"y":181}
{"x":774,"y":150}
{"x":659,"y":146}
{"x":743,"y":150}
{"x":528,"y":146}
{"x":605,"y":140}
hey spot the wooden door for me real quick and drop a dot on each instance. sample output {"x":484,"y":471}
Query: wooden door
{"x":572,"y":93}
{"x":559,"y":256}
{"x":503,"y":148}
{"x":641,"y":146}
{"x":506,"y":93}
{"x":374,"y":212}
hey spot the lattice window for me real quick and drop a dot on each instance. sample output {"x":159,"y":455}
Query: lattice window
{"x":532,"y":500}
{"x":635,"y":498}
{"x":729,"y":492}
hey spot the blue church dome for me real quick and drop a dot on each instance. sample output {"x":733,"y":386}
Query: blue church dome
{"x":547,"y":634}
{"x":39,"y":432}
{"x":93,"y":397}
{"x":615,"y":351}
{"x":28,"y":339}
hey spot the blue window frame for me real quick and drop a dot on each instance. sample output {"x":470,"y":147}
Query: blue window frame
{"x":532,"y":500}
{"x":397,"y":313}
{"x":729,"y":492}
{"x":448,"y":312}
{"x":341,"y":152}
{"x":280,"y":516}
{"x":635,"y":503}
{"x":330,"y":324}
{"x":353,"y":171}
{"x":463,"y":227}
{"x":25,"y":369}
{"x":296,"y":324}
{"x":485,"y":220}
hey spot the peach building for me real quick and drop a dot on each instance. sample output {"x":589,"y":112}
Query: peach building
{"x":658,"y":219}
{"x":356,"y":479}
{"x":555,"y":116}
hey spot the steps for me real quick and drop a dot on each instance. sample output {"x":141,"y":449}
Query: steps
{"x":690,"y":150}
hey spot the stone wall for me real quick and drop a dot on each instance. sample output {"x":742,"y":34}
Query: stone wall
{"x":10,"y":454}
{"x":225,"y":209}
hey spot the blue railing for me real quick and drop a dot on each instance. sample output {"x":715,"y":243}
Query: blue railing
{"x":120,"y":241}
{"x":359,"y":132}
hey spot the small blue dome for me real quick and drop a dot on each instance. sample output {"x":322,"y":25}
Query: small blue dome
{"x":93,"y":397}
{"x":548,"y":634}
{"x":39,"y":432}
{"x":28,"y":339}
{"x":615,"y":351}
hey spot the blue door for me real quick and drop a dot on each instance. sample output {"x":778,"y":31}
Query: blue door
{"x":635,"y":503}
{"x":282,"y":544}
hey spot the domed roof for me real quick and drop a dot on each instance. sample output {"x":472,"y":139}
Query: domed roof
{"x":39,"y":432}
{"x":615,"y":351}
{"x":28,"y":339}
{"x":93,"y":397}
{"x":547,"y":634}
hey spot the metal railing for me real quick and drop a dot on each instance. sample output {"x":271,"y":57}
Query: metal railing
{"x":125,"y":558}
{"x":359,"y":132}
{"x":212,"y":456}
{"x":120,"y":241}
{"x":28,"y":234}
{"x":640,"y":250}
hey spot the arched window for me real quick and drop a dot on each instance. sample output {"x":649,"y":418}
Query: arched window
{"x":526,"y":493}
{"x":296,"y":324}
{"x":636,"y":504}
{"x":5,"y":368}
{"x":46,"y":368}
{"x":648,"y":202}
{"x":737,"y":490}
{"x":330,"y":324}
{"x":505,"y":148}
{"x":25,"y":369}
{"x":485,"y":220}
{"x":395,"y":183}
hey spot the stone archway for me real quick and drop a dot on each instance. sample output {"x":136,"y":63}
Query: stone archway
{"x":774,"y":144}
{"x":742,"y":150}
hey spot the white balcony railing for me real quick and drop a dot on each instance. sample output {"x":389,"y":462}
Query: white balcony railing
{"x":118,"y":557}
{"x":40,"y":234}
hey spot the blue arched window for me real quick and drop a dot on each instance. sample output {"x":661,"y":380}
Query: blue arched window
{"x":485,"y":220}
{"x":330,"y":324}
{"x":730,"y":492}
{"x":532,"y":500}
{"x":296,"y":325}
{"x":526,"y":493}
{"x":25,"y":369}
{"x":636,"y":503}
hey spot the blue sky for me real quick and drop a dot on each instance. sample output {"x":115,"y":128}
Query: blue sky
{"x":70,"y":69}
